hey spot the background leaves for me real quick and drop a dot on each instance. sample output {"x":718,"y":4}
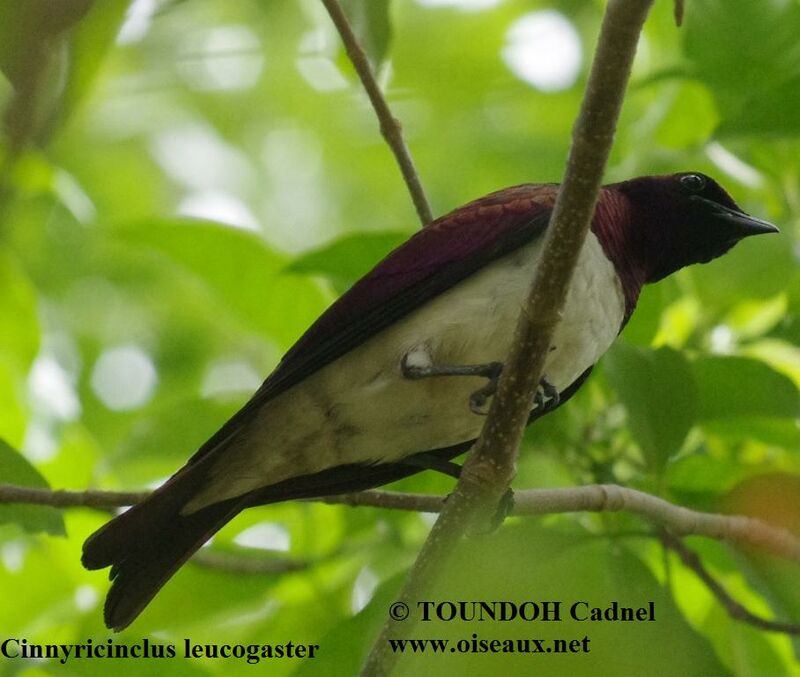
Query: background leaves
{"x":659,"y":394}
{"x":185,"y":186}
{"x":14,"y":469}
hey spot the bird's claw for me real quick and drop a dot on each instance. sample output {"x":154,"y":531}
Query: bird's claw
{"x":546,"y":396}
{"x":478,"y":399}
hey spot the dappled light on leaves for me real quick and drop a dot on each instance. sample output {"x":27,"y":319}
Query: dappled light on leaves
{"x":264,"y":536}
{"x":226,"y":377}
{"x":124,"y":378}
{"x":465,"y":5}
{"x":364,"y":588}
{"x":137,"y":21}
{"x":186,"y":187}
{"x":222,"y":58}
{"x":52,"y":389}
{"x":220,"y":208}
{"x":544,"y":49}
{"x":197,"y":157}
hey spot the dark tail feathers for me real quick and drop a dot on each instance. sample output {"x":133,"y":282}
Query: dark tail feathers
{"x":145,"y":545}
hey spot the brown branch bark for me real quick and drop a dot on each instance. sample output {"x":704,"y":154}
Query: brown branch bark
{"x":65,"y":498}
{"x":679,"y":10}
{"x":592,"y":498}
{"x":243,"y":564}
{"x":491,"y":464}
{"x":734,"y":529}
{"x":389,"y":125}
{"x":732,"y":607}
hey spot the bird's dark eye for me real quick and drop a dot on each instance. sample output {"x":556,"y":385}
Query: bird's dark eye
{"x":693,"y":183}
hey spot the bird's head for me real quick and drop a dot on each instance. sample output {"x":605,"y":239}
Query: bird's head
{"x":684,"y":218}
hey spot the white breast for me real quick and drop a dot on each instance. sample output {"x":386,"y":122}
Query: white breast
{"x":360,"y":408}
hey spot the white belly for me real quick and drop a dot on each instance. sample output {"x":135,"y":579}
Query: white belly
{"x":360,"y":408}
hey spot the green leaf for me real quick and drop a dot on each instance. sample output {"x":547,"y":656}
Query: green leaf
{"x":773,"y":498}
{"x":746,"y":649}
{"x":758,"y":268}
{"x":645,"y":322}
{"x":19,"y":340}
{"x":372,"y":25}
{"x":699,"y":473}
{"x":240,"y":268}
{"x":564,"y":568}
{"x":658,"y":391}
{"x":166,"y":434}
{"x":345,"y":260}
{"x":741,"y":47}
{"x":780,"y":432}
{"x":756,"y":80}
{"x":690,"y":117}
{"x":774,"y":112}
{"x":15,"y":469}
{"x":91,"y":40}
{"x":735,"y":387}
{"x":351,"y":639}
{"x":12,"y":405}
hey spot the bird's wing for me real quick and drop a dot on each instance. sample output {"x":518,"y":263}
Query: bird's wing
{"x":430,"y":262}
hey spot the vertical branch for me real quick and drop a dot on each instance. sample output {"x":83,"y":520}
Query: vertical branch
{"x":491,"y":465}
{"x":390,"y":126}
{"x":495,"y":452}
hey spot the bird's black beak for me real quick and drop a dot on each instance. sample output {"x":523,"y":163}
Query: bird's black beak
{"x":743,"y":225}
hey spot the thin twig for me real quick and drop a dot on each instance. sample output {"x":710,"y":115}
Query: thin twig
{"x":390,"y":500}
{"x":65,"y":498}
{"x":390,"y":126}
{"x":679,"y":7}
{"x":735,"y":609}
{"x":244,"y":564}
{"x":735,"y":529}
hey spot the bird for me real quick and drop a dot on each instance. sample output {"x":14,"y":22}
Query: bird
{"x":394,"y":377}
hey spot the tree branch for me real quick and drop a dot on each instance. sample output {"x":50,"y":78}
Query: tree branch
{"x":244,"y":564}
{"x":65,"y":498}
{"x":389,"y":125}
{"x":679,"y":9}
{"x":491,"y":464}
{"x":735,"y":529}
{"x":734,"y":609}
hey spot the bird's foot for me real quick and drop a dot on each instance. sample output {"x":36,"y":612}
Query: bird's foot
{"x":478,"y":399}
{"x":546,"y":397}
{"x":412,"y":371}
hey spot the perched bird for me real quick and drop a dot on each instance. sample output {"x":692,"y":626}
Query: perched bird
{"x":395,"y":375}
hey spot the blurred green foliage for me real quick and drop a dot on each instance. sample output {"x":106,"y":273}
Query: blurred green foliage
{"x":185,"y":186}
